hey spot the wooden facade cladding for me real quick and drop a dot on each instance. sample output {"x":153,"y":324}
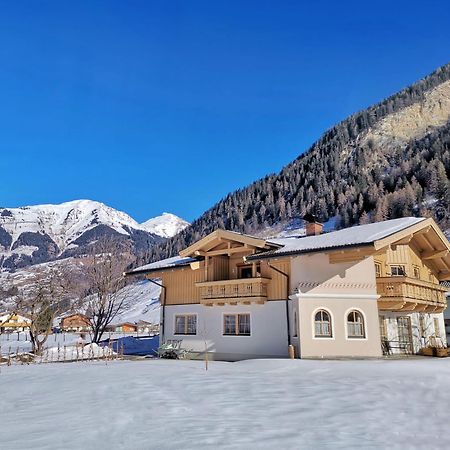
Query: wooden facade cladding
{"x":187,"y":286}
{"x":408,"y":281}
{"x":278,"y":288}
{"x":408,"y":256}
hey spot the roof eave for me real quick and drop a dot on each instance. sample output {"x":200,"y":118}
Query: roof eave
{"x":304,"y":252}
{"x":159,"y":269}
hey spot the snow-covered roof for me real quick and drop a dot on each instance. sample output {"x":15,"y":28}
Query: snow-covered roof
{"x":354,"y":236}
{"x":347,"y":237}
{"x":167,"y":263}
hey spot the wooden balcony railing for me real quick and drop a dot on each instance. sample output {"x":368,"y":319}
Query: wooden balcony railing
{"x":404,"y":293}
{"x":231,"y":291}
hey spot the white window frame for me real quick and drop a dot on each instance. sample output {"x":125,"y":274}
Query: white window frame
{"x":356,"y":338}
{"x":396,"y":266}
{"x":237,"y":314}
{"x":185,"y":315}
{"x":377,"y":264}
{"x":332,"y":322}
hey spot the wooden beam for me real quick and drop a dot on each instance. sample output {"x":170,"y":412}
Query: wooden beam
{"x":410,"y":306}
{"x":350,"y":255}
{"x":443,"y":275}
{"x":424,"y":230}
{"x":228,"y":251}
{"x":432,"y":254}
{"x":404,"y":241}
{"x":420,"y":307}
{"x":390,"y":305}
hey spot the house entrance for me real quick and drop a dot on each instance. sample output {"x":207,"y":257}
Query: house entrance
{"x":404,"y":334}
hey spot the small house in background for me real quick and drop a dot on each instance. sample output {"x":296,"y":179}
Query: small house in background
{"x":75,"y":322}
{"x":126,"y":327}
{"x":144,"y":327}
{"x":14,"y":321}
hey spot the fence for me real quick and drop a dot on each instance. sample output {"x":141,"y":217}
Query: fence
{"x":59,"y":347}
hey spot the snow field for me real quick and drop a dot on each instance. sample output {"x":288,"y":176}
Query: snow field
{"x":259,"y":404}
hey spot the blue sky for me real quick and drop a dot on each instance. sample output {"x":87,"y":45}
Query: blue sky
{"x":167,"y":106}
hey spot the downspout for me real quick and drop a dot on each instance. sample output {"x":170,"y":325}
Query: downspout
{"x":287,"y":299}
{"x":163,"y":303}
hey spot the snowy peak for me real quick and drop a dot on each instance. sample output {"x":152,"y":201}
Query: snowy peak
{"x":36,"y":234}
{"x":166,"y":225}
{"x":65,"y":222}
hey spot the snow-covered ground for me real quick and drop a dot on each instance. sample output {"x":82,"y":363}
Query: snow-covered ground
{"x":260,"y":404}
{"x":142,"y":303}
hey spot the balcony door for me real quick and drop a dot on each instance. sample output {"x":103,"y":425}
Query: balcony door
{"x":404,"y":334}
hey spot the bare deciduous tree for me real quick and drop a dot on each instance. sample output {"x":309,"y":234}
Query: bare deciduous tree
{"x":104,"y":279}
{"x":50,"y":293}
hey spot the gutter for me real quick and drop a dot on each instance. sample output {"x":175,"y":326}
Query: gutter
{"x":163,"y":315}
{"x":157,"y":269}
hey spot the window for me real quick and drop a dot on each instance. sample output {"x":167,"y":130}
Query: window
{"x":355,"y":325}
{"x":437,"y":328}
{"x":295,"y":324}
{"x":377,"y":269}
{"x":236,"y":324}
{"x":398,"y":271}
{"x":186,"y":324}
{"x":322,"y":324}
{"x":404,"y":333}
{"x":416,"y":272}
{"x":246,"y":271}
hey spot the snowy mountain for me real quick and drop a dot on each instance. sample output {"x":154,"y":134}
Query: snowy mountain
{"x":36,"y":234}
{"x":167,"y":225}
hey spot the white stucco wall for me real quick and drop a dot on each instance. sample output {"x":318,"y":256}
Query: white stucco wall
{"x":337,"y":288}
{"x":267,"y":325}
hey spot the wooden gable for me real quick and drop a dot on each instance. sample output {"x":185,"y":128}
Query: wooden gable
{"x":222,"y":242}
{"x":428,"y":241}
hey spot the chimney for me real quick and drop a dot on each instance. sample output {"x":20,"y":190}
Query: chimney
{"x":312,"y":227}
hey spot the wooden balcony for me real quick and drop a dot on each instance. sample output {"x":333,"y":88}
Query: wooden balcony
{"x":410,"y":294}
{"x":246,"y":291}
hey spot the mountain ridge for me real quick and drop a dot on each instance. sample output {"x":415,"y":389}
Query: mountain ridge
{"x":40,"y":233}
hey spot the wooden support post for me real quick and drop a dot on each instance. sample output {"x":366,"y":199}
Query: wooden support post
{"x":291,"y":351}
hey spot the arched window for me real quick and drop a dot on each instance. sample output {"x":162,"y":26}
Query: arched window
{"x":355,"y":325}
{"x":322,"y":324}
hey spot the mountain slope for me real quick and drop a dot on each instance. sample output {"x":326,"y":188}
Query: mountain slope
{"x":37,"y":234}
{"x":388,"y":161}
